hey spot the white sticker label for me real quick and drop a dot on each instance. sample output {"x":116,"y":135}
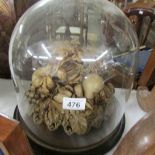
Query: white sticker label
{"x":74,"y":103}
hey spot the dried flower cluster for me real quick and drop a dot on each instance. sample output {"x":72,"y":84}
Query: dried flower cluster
{"x":47,"y":91}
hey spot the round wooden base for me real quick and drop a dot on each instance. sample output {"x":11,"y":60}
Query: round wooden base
{"x":106,"y":146}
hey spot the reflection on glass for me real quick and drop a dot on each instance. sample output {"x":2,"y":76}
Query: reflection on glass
{"x":75,"y":49}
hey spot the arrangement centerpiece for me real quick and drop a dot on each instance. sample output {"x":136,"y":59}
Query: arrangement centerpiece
{"x":66,"y":63}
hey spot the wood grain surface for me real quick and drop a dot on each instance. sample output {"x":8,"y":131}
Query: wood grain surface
{"x":12,"y":138}
{"x":140,"y":140}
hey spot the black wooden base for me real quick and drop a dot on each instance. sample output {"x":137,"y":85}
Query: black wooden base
{"x":100,"y":150}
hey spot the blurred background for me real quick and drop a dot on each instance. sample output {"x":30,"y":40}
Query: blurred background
{"x":12,"y":10}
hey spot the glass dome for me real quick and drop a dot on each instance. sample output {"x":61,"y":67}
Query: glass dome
{"x":73,"y":64}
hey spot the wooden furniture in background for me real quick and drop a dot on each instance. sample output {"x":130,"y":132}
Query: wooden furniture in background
{"x":10,"y":12}
{"x":120,"y":3}
{"x":142,"y":17}
{"x":148,"y":70}
{"x":138,"y":17}
{"x":12,"y":138}
{"x":7,"y":22}
{"x":22,"y":6}
{"x":146,"y":4}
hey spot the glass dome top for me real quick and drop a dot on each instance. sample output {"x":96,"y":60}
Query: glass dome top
{"x":69,"y":60}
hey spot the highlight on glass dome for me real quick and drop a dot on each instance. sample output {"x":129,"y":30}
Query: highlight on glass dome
{"x":69,"y":59}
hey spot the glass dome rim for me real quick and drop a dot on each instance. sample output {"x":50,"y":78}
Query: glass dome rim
{"x":16,"y":31}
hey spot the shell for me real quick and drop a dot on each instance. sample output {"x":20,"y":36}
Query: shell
{"x":61,"y":74}
{"x":52,"y":119}
{"x":74,"y":123}
{"x":89,"y":108}
{"x":59,"y":98}
{"x":58,"y":106}
{"x":36,"y":115}
{"x":37,"y":118}
{"x":78,"y":90}
{"x":66,"y":123}
{"x":99,"y":117}
{"x":111,"y":87}
{"x":67,"y":127}
{"x":109,"y":90}
{"x":103,"y":97}
{"x":92,"y":84}
{"x":64,"y":91}
{"x":39,"y":74}
{"x":43,"y":88}
{"x":35,"y":95}
{"x":79,"y":124}
{"x":70,"y":88}
{"x":44,"y":105}
{"x":49,"y":82}
{"x":69,"y":70}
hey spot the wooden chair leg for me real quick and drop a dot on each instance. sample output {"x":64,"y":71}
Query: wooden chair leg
{"x":148,"y":70}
